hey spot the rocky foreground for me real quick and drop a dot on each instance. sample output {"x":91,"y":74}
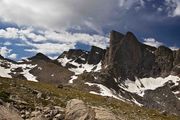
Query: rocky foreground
{"x":38,"y":101}
{"x":75,"y":110}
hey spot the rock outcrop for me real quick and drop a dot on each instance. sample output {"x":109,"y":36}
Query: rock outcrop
{"x":127,"y":58}
{"x":78,"y":110}
{"x":94,"y":56}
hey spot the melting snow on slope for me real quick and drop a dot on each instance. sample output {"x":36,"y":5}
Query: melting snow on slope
{"x":140,"y":85}
{"x":5,"y":72}
{"x":85,"y":67}
{"x":64,"y":61}
{"x":104,"y":91}
{"x":80,"y":68}
{"x":9,"y":67}
{"x":73,"y":78}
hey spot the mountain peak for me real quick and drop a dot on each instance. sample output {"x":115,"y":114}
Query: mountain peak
{"x":130,"y":37}
{"x":39,"y":56}
{"x":115,"y":37}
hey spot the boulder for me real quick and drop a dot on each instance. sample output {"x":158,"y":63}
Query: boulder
{"x":77,"y":110}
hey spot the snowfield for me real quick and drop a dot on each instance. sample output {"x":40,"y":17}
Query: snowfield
{"x":141,"y":85}
{"x":80,"y":68}
{"x":104,"y":91}
{"x":6,"y":68}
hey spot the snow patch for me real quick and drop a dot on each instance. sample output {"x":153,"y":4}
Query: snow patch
{"x":84,"y":67}
{"x":39,"y":68}
{"x":141,"y":85}
{"x":104,"y":91}
{"x":5,"y":72}
{"x":80,"y":68}
{"x":73,"y":78}
{"x":8,"y":67}
{"x":64,"y":61}
{"x":136,"y":102}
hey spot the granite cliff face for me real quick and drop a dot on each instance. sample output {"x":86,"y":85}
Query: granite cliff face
{"x":127,"y":58}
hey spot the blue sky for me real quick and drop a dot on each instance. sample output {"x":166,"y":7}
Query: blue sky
{"x":53,"y":26}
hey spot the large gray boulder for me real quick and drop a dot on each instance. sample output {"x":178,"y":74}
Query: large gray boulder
{"x":77,"y":110}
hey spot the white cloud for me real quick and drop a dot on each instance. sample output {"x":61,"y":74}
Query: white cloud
{"x":7,"y":43}
{"x":152,"y":42}
{"x":50,"y":42}
{"x":5,"y":51}
{"x":13,"y":56}
{"x":9,"y":33}
{"x":174,"y":48}
{"x":49,"y":48}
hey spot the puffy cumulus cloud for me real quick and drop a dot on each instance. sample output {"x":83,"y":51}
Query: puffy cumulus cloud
{"x":63,"y":14}
{"x":152,"y":42}
{"x":50,"y":42}
{"x":6,"y":52}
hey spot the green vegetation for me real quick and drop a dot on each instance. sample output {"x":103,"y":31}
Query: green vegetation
{"x":27,"y":93}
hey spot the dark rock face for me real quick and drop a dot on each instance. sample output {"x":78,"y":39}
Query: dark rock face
{"x":164,"y":59}
{"x":95,"y":55}
{"x":163,"y":99}
{"x":176,"y":64}
{"x":177,"y":57}
{"x":77,"y":55}
{"x":81,"y":57}
{"x":128,"y":58}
